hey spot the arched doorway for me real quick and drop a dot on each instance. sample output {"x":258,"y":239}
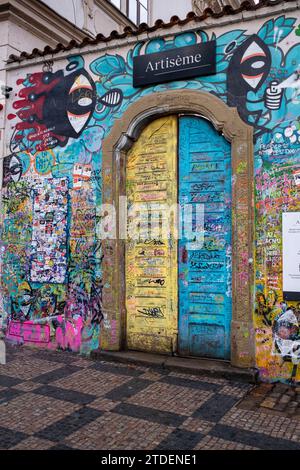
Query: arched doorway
{"x":184,"y":160}
{"x":115,"y":150}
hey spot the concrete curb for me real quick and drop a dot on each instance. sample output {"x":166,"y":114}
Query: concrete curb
{"x":194,"y":366}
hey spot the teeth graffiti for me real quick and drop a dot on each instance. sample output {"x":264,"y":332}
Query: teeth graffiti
{"x":111,"y":98}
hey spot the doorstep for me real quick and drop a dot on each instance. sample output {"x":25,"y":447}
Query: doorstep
{"x":195,"y":366}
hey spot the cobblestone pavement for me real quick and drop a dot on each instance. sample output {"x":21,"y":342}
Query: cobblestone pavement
{"x":55,"y":400}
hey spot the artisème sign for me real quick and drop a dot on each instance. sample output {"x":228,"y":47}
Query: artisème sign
{"x":175,"y":64}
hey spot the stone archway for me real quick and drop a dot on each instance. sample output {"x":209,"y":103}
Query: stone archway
{"x":115,"y":147}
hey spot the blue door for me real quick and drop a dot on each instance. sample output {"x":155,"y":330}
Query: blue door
{"x":205,"y":298}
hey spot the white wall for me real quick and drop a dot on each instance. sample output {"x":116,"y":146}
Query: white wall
{"x":86,"y":15}
{"x":72,"y":10}
{"x":164,"y":9}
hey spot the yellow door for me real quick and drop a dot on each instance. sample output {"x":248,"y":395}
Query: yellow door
{"x":151,"y":246}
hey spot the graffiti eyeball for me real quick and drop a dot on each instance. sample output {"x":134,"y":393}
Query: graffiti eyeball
{"x":47,"y":78}
{"x":253,"y":64}
{"x":32,"y":97}
{"x":249,"y":66}
{"x":81,"y":103}
{"x":70,"y":104}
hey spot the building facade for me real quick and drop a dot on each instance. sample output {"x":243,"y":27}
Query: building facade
{"x":90,"y":143}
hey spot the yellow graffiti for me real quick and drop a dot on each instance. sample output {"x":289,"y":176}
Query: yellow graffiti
{"x":151,"y":252}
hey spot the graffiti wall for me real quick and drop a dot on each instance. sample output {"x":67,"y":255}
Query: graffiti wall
{"x":52,"y":183}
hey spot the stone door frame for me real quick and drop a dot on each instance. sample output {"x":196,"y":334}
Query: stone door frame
{"x":124,"y":133}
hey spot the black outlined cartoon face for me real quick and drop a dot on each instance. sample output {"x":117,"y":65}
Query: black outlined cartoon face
{"x":70,"y":104}
{"x":248,"y":68}
{"x":12,"y":170}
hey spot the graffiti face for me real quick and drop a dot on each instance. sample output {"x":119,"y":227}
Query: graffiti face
{"x":59,"y":106}
{"x":12,"y":170}
{"x":69,"y":105}
{"x":56,"y":107}
{"x":248,"y":69}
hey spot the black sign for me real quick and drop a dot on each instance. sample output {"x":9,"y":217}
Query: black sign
{"x":175,"y":64}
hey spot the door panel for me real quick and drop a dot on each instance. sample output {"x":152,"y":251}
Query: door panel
{"x":205,"y":274}
{"x":151,"y":259}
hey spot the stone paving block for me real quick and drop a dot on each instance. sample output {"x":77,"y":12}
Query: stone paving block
{"x":8,"y":395}
{"x":113,"y":431}
{"x":95,"y":382}
{"x":82,"y":363}
{"x":27,"y":386}
{"x":10,"y":438}
{"x":153,"y":375}
{"x":259,"y":440}
{"x":180,"y":439}
{"x":260,"y":422}
{"x":215,"y":408}
{"x":27,"y":369}
{"x":212,"y":380}
{"x":128,"y":389}
{"x":69,"y":424}
{"x":268,"y":403}
{"x":103,"y":404}
{"x":29,"y":413}
{"x":65,"y":394}
{"x":235,"y":391}
{"x":190,"y":383}
{"x":119,"y":369}
{"x":7,"y":381}
{"x":216,"y":443}
{"x":173,"y":398}
{"x":33,"y":443}
{"x":149,"y":414}
{"x":60,"y":446}
{"x":197,"y":425}
{"x":56,"y":374}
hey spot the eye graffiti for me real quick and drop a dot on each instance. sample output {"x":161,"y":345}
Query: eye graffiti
{"x":12,"y":170}
{"x":58,"y":106}
{"x":76,"y":107}
{"x":248,"y":69}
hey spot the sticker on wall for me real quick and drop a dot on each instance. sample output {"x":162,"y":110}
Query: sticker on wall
{"x":49,"y":235}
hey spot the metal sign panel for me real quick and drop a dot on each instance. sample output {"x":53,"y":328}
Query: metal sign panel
{"x":175,"y":64}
